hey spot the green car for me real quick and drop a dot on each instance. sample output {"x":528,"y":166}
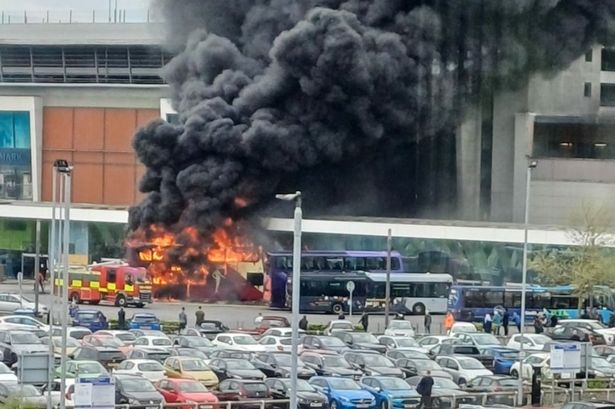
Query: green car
{"x":83,"y":369}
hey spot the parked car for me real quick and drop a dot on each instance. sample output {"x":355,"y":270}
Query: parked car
{"x":229,"y":353}
{"x":462,"y":368}
{"x":73,"y":332}
{"x":406,"y":353}
{"x":15,"y":343}
{"x":239,"y":342}
{"x":93,"y":320}
{"x":307,"y":396}
{"x":153,"y":341}
{"x":278,"y":364}
{"x":397,"y":342}
{"x":144,"y":320}
{"x":457,"y":349}
{"x":26,"y":394}
{"x":10,"y":302}
{"x":479,"y":339}
{"x":531,"y":342}
{"x":272,"y":343}
{"x":502,"y":359}
{"x":189,"y":391}
{"x":360,"y":340}
{"x":148,"y":333}
{"x":126,"y":337}
{"x":136,"y":390}
{"x":181,"y":351}
{"x":442,"y":392}
{"x":6,"y":375}
{"x":82,"y":369}
{"x":592,"y":325}
{"x":391,"y":392}
{"x":147,"y":368}
{"x":210,"y":328}
{"x":430,"y":341}
{"x":373,"y":364}
{"x":605,"y":350}
{"x":24,"y":322}
{"x":574,"y":333}
{"x":323,"y":342}
{"x":235,"y":368}
{"x":195,"y":342}
{"x":327,"y":363}
{"x":597,"y":404}
{"x":415,"y":367}
{"x":108,"y":356}
{"x":343,"y":393}
{"x":99,"y":340}
{"x":338,"y":325}
{"x":186,"y":367}
{"x":71,"y":345}
{"x":243,"y":390}
{"x":399,"y":328}
{"x":462,"y":328}
{"x":540,"y":359}
{"x":157,"y":354}
{"x":494,"y":383}
{"x":281,"y":332}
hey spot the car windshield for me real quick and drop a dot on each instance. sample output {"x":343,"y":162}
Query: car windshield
{"x":302,"y":385}
{"x":126,"y":337}
{"x":255,"y":387}
{"x":470,"y":364}
{"x":195,"y":365}
{"x":150,"y":367}
{"x":161,"y":342}
{"x":110,"y":342}
{"x":332,"y":342}
{"x":342,"y":325}
{"x":407,"y":343}
{"x":24,"y":338}
{"x":245,"y":340}
{"x":485,"y":339}
{"x":444,"y":383}
{"x":192,"y":387}
{"x":86,"y":316}
{"x":425,"y":364}
{"x":285,"y":360}
{"x":508,"y":382}
{"x":137,"y":385}
{"x":601,"y":363}
{"x":464,"y":329}
{"x":364,"y":337}
{"x":400,"y":324}
{"x":344,"y":384}
{"x":199,"y":342}
{"x":195,"y":353}
{"x":22,"y":390}
{"x":393,"y":383}
{"x":144,"y":319}
{"x":238,"y":364}
{"x":540,"y":339}
{"x":509,"y":355}
{"x":376,"y":360}
{"x":336,"y":362}
{"x":90,"y":368}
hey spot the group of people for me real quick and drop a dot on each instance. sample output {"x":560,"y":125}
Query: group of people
{"x":199,"y":315}
{"x":501,"y":320}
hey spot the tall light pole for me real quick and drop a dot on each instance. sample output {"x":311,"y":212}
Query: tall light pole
{"x":296,"y":281}
{"x":531,"y":164}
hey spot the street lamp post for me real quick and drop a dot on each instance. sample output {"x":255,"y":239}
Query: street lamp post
{"x":528,"y":179}
{"x":296,"y":281}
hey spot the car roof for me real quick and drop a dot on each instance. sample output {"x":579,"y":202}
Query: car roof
{"x":320,"y":352}
{"x":185,"y":358}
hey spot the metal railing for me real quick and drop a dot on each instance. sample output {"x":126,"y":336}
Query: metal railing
{"x":68,"y":16}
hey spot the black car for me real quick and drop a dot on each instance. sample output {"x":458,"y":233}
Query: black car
{"x":414,"y":367}
{"x":330,"y":364}
{"x":135,"y":390}
{"x":277,"y":364}
{"x":157,"y":354}
{"x":181,"y":351}
{"x":373,"y":364}
{"x":307,"y":396}
{"x":211,"y":328}
{"x":107,"y":356}
{"x":361,"y":340}
{"x":225,"y":368}
{"x":200,"y":343}
{"x":323,"y":342}
{"x":577,"y":334}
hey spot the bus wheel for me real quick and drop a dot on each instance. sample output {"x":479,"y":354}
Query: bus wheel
{"x":418,"y":309}
{"x":74,"y":297}
{"x":337,"y":308}
{"x":120,"y":301}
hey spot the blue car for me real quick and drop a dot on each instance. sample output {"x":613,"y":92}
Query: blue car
{"x":391,"y":392}
{"x":144,"y":320}
{"x":93,"y":320}
{"x":503,"y":358}
{"x":343,"y":393}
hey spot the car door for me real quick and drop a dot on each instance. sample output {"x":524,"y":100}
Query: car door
{"x":278,"y":390}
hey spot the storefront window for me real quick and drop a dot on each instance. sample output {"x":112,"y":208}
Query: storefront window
{"x":15,"y":166}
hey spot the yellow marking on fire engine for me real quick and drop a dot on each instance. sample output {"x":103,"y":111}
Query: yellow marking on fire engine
{"x":129,"y":287}
{"x":111,"y":286}
{"x":76,"y":283}
{"x":94,"y":284}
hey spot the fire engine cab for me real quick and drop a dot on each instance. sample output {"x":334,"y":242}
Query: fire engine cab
{"x":115,"y":282}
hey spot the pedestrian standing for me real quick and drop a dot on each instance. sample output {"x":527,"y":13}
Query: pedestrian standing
{"x":364,"y":321}
{"x":183,"y":320}
{"x":303,"y":324}
{"x":258,"y":319}
{"x":427,"y":322}
{"x":505,"y":319}
{"x":449,"y":321}
{"x":200,"y":316}
{"x":424,"y":389}
{"x":538,"y":324}
{"x":497,"y":322}
{"x":121,"y":318}
{"x":487,"y":323}
{"x":517,"y":320}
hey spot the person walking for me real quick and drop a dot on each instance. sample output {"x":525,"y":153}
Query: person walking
{"x":505,"y":319}
{"x":200,"y":316}
{"x":424,"y":389}
{"x":121,"y":318}
{"x":517,"y":320}
{"x":183,"y":320}
{"x":427,"y":322}
{"x":538,"y":324}
{"x":449,"y":321}
{"x":497,"y":323}
{"x":303,"y":324}
{"x":487,"y":323}
{"x":364,"y":321}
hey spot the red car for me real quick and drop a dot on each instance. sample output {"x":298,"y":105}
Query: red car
{"x":97,"y":340}
{"x":186,"y":391}
{"x":266,"y":322}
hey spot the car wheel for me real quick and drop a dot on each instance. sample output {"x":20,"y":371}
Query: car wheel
{"x":120,"y":301}
{"x":418,"y":309}
{"x":337,"y":308}
{"x":514,"y":373}
{"x":333,"y":405}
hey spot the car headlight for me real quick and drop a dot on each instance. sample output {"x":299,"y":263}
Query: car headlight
{"x":302,"y":400}
{"x":133,"y":402}
{"x":344,"y":399}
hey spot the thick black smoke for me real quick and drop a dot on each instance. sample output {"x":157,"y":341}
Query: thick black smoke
{"x":339,"y":98}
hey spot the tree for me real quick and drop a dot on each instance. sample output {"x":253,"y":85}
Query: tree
{"x":589,"y":262}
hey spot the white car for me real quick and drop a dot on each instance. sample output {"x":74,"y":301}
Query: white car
{"x":338,"y":325}
{"x":11,"y":302}
{"x":125,"y":337}
{"x":462,"y":369}
{"x":23,"y":322}
{"x":153,"y":341}
{"x":542,"y":360}
{"x":462,"y":328}
{"x":74,"y":332}
{"x":407,"y":343}
{"x":276,"y":344}
{"x":6,"y":375}
{"x":431,"y":341}
{"x":147,"y":368}
{"x":238,"y":342}
{"x":606,"y":332}
{"x":400,"y":328}
{"x":531,"y":342}
{"x":281,"y":332}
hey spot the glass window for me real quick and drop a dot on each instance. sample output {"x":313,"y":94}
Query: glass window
{"x":15,"y":129}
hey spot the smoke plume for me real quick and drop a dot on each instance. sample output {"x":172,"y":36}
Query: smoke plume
{"x":339,"y":98}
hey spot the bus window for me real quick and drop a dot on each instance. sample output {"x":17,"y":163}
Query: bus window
{"x":312,"y":288}
{"x":307,"y":264}
{"x":283,"y":263}
{"x":335,"y":264}
{"x":375,"y":263}
{"x":399,"y":290}
{"x":493,"y":298}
